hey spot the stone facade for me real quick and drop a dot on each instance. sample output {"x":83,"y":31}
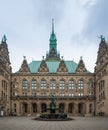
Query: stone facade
{"x":77,"y":93}
{"x":40,"y":96}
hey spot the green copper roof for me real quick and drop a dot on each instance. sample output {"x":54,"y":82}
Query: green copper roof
{"x":34,"y":65}
{"x":71,"y":66}
{"x":52,"y":66}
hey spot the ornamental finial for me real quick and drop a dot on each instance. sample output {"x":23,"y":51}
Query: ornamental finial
{"x":81,"y":57}
{"x":43,"y":57}
{"x":62,"y":57}
{"x":24,"y":57}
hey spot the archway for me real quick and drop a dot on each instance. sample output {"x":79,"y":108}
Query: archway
{"x":25,"y":108}
{"x":81,"y":109}
{"x":61,"y":107}
{"x":34,"y":108}
{"x":70,"y":108}
{"x":43,"y":107}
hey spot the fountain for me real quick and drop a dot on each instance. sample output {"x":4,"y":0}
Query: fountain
{"x":53,"y":115}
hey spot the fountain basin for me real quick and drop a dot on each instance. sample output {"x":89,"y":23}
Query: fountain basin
{"x":53,"y":117}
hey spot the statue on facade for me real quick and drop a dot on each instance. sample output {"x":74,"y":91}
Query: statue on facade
{"x":102,"y":38}
{"x":4,"y":39}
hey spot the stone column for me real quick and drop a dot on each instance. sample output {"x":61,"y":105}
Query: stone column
{"x":29,"y":108}
{"x":84,"y":109}
{"x":87,"y":108}
{"x":57,"y":106}
{"x":39,"y":107}
{"x":66,"y":108}
{"x":18,"y":108}
{"x":21,"y":109}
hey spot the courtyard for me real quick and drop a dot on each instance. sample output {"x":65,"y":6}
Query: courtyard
{"x":28,"y":123}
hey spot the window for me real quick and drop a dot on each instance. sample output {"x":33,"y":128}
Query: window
{"x":25,"y":84}
{"x":43,"y":84}
{"x":4,"y":85}
{"x":52,"y":84}
{"x":33,"y":84}
{"x":103,"y":95}
{"x":34,"y":94}
{"x":14,"y":93}
{"x":43,"y":94}
{"x":62,"y":94}
{"x":2,"y":95}
{"x":71,"y":94}
{"x":90,"y":93}
{"x":80,"y":84}
{"x":62,"y":84}
{"x":24,"y":94}
{"x":80,"y":94}
{"x":71,"y":84}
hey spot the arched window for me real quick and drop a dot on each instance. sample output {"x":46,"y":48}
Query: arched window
{"x":33,"y":84}
{"x":80,"y":84}
{"x":52,"y":84}
{"x":43,"y":84}
{"x":71,"y":84}
{"x":62,"y":84}
{"x":25,"y":84}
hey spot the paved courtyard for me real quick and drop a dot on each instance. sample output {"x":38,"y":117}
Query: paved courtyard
{"x":27,"y":123}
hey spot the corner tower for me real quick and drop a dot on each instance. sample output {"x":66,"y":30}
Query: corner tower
{"x":101,"y":73}
{"x":53,"y":54}
{"x":5,"y":78}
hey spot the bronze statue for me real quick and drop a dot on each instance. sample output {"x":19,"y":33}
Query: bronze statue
{"x":102,"y":38}
{"x":53,"y":104}
{"x":4,"y":39}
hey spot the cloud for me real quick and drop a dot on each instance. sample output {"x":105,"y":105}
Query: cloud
{"x":97,"y":21}
{"x":48,"y":9}
{"x":27,"y":25}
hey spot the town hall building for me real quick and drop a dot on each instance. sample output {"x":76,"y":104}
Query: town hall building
{"x":78,"y":92}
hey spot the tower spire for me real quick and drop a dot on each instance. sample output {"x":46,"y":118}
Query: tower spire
{"x":53,"y":55}
{"x":52,"y":26}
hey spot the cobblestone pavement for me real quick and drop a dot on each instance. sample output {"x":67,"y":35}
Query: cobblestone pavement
{"x":27,"y":123}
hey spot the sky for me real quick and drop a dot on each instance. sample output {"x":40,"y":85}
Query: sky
{"x":77,"y":24}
